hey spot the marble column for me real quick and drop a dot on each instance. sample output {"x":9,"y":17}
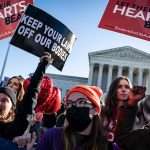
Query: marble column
{"x":100,"y":73}
{"x":140,"y":76}
{"x":120,"y":71}
{"x":109,"y":76}
{"x":91,"y":74}
{"x":131,"y":74}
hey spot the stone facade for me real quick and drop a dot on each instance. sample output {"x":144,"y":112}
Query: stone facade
{"x":106,"y":65}
{"x":65,"y":82}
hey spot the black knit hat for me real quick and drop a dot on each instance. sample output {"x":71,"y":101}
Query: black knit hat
{"x":10,"y":93}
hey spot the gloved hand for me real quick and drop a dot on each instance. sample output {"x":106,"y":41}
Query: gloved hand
{"x":46,"y":59}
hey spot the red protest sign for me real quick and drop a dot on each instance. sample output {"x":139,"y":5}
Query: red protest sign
{"x":131,"y":17}
{"x":10,"y":14}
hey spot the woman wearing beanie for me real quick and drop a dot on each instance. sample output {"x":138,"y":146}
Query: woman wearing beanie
{"x":11,"y":124}
{"x":83,"y":129}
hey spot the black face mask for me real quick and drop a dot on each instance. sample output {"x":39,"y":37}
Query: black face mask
{"x":78,"y":118}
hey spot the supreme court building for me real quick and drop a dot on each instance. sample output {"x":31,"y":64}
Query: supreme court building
{"x":106,"y":65}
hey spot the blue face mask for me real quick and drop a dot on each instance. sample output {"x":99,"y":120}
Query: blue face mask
{"x":78,"y":118}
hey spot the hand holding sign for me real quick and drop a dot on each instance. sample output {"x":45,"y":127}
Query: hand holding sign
{"x":47,"y":58}
{"x":39,"y":32}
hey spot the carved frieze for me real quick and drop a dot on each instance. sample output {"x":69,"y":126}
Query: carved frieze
{"x":126,"y":52}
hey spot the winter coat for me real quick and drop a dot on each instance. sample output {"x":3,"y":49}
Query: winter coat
{"x":17,"y":127}
{"x":127,"y":138}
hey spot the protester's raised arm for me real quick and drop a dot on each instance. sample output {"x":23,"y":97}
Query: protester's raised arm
{"x":30,"y":98}
{"x":137,"y":93}
{"x":125,"y":137}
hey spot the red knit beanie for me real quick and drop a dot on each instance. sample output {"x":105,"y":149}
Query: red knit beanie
{"x":93,"y":93}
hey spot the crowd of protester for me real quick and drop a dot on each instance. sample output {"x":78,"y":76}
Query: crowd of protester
{"x":34,"y":116}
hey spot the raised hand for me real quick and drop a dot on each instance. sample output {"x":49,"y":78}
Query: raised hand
{"x":136,"y":94}
{"x":47,"y":56}
{"x":26,"y":140}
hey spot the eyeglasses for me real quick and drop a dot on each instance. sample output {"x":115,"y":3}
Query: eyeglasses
{"x":81,"y":102}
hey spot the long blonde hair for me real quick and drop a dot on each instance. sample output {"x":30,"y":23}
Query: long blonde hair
{"x":20,"y":92}
{"x":10,"y":117}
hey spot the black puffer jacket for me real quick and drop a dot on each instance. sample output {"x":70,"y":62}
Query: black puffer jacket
{"x":20,"y":123}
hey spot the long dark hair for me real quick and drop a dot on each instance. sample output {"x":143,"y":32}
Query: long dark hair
{"x":110,"y":107}
{"x":96,"y":141}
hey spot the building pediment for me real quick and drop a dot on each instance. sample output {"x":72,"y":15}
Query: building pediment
{"x":126,"y":52}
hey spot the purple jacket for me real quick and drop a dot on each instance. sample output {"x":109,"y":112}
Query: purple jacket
{"x":52,"y":140}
